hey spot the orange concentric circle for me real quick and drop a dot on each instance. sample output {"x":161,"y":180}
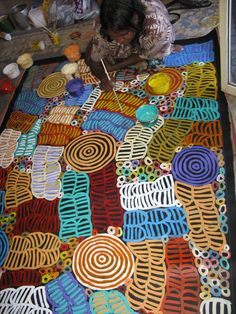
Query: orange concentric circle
{"x":102,"y":262}
{"x":90,"y":152}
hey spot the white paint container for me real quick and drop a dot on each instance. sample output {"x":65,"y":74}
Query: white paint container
{"x":11,"y":70}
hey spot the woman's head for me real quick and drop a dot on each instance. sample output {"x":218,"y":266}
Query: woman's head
{"x":122,"y":20}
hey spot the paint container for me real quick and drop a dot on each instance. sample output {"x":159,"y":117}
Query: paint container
{"x":159,"y":83}
{"x":5,"y":24}
{"x":72,"y":52}
{"x":18,"y":16}
{"x":25,"y":61}
{"x":11,"y":70}
{"x":69,"y":70}
{"x":6,"y":86}
{"x":147,"y":115}
{"x":75,"y":87}
{"x":38,"y":45}
{"x":5,"y":36}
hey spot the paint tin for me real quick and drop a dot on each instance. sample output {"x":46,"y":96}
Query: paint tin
{"x":18,"y":16}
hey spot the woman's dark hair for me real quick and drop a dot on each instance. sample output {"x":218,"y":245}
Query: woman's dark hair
{"x":119,"y":15}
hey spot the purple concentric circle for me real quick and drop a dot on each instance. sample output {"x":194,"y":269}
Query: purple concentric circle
{"x":195,"y":165}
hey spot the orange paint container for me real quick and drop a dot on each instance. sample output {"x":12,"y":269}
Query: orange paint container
{"x":72,"y":52}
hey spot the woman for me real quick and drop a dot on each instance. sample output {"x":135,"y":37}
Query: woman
{"x":128,"y":32}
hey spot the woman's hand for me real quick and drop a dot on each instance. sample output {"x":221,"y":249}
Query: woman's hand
{"x":123,"y":63}
{"x":110,"y":67}
{"x":106,"y":85}
{"x":177,"y":48}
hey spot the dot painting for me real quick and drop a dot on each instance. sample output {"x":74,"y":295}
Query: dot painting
{"x":101,"y":214}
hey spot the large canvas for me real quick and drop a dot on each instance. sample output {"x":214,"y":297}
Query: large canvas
{"x":102,"y":214}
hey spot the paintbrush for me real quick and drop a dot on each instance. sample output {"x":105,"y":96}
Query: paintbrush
{"x":42,"y":25}
{"x":108,"y":76}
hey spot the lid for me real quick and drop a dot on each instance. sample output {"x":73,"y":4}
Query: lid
{"x":18,"y":8}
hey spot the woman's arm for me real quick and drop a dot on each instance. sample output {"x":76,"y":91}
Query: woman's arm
{"x":124,"y":63}
{"x":97,"y":69}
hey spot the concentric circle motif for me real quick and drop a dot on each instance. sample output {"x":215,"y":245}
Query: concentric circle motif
{"x":102,"y":262}
{"x":53,"y":85}
{"x":90,"y":152}
{"x":176,"y":81}
{"x":195,"y":165}
{"x":4,"y":246}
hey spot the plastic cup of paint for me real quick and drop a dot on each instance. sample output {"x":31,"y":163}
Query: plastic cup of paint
{"x":75,"y":87}
{"x":6,"y":86}
{"x":159,"y":83}
{"x":11,"y":70}
{"x":147,"y":115}
{"x":25,"y":60}
{"x":72,"y":52}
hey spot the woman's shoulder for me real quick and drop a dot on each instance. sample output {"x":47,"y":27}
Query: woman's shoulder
{"x":155,"y":5}
{"x":157,"y":27}
{"x":156,"y":15}
{"x":154,"y":10}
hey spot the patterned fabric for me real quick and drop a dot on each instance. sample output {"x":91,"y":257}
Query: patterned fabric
{"x":154,"y":42}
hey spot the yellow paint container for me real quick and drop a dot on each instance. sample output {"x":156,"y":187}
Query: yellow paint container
{"x":159,"y":83}
{"x":25,"y":60}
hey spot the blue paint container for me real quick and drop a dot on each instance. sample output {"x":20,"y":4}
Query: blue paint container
{"x":75,"y":87}
{"x":147,"y":115}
